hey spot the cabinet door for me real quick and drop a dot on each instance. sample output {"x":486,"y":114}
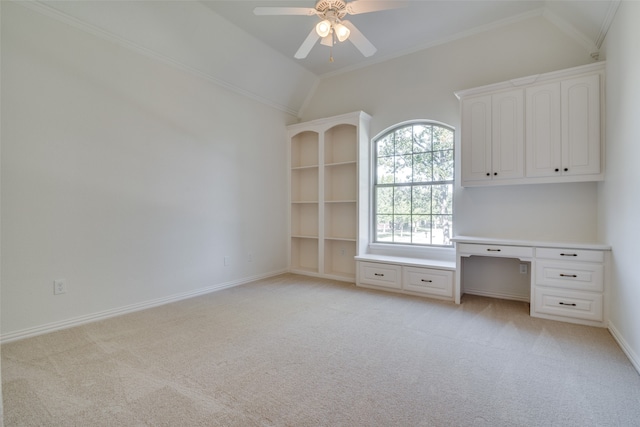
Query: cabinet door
{"x":581,"y":125}
{"x":507,"y":131}
{"x":476,"y":139}
{"x":543,"y":133}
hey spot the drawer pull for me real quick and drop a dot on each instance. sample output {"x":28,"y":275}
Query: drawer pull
{"x":378,"y":274}
{"x":494,"y":250}
{"x":426,"y":281}
{"x":568,"y":254}
{"x":567,"y":275}
{"x":566,"y":303}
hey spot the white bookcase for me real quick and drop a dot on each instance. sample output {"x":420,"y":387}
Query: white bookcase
{"x":323,"y":201}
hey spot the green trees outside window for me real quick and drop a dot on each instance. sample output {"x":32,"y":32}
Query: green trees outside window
{"x":413,"y":189}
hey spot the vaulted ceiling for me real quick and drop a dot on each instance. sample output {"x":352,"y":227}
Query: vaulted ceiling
{"x":225,"y":42}
{"x":413,"y":26}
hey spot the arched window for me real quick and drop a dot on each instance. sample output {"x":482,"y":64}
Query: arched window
{"x":413,"y":184}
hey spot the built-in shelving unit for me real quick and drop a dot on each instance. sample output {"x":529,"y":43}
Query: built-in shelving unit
{"x":324,"y":194}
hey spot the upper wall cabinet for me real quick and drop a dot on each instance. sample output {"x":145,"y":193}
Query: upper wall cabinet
{"x":493,"y":132}
{"x":323,"y":203}
{"x":539,"y":129}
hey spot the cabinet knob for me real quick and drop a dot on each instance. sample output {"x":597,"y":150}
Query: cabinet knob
{"x":568,"y":275}
{"x":566,"y":169}
{"x":495,"y":173}
{"x":488,"y":174}
{"x":557,"y":170}
{"x":566,"y":303}
{"x":426,"y":281}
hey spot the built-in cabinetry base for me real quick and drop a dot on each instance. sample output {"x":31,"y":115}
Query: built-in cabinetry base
{"x":568,"y":280}
{"x":412,"y":276}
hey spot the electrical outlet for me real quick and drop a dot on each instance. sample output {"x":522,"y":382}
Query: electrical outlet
{"x":343,"y":251}
{"x":59,"y":287}
{"x":249,"y":257}
{"x":227,"y":261}
{"x":523,"y":268}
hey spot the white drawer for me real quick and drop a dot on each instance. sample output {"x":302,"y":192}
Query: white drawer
{"x":569,"y":275}
{"x":386,"y":275}
{"x":428,"y":281}
{"x":575,"y":304}
{"x":570,"y":254}
{"x":496,"y":250}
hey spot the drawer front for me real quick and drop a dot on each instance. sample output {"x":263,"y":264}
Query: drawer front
{"x":570,"y":254}
{"x":428,"y":281}
{"x":386,"y":275}
{"x":496,"y":250}
{"x":578,"y":305}
{"x":568,"y":275}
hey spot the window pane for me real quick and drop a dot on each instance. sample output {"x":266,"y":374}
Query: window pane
{"x":404,"y":140}
{"x":402,"y":228}
{"x":442,"y":199}
{"x":422,"y":167}
{"x":421,"y":229}
{"x":384,"y":146}
{"x":384,"y":200}
{"x":403,"y":169}
{"x":421,"y":199}
{"x":442,"y":138}
{"x":402,"y":200}
{"x":385,"y":170}
{"x":443,"y":165}
{"x":384,"y":228}
{"x":421,"y":138}
{"x":414,"y":185}
{"x":442,"y":226}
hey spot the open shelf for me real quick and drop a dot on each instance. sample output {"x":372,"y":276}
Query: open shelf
{"x":304,"y":254}
{"x":324,"y":197}
{"x":304,"y":185}
{"x":304,"y":219}
{"x":338,"y":258}
{"x":340,"y":182}
{"x":341,"y":144}
{"x":304,"y":149}
{"x":340,"y":220}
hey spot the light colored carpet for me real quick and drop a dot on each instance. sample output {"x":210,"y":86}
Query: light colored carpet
{"x":298,"y":351}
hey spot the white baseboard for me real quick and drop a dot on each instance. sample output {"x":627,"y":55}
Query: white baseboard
{"x":633,"y":357}
{"x":101,"y":315}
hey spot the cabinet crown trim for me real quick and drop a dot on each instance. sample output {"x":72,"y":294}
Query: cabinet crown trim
{"x":533,"y":79}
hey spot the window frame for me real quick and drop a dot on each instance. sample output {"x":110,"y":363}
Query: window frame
{"x":373,"y":242}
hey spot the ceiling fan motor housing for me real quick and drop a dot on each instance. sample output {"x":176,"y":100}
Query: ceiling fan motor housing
{"x":338,"y":7}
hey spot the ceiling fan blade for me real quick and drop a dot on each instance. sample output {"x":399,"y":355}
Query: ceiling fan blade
{"x":284,"y":11}
{"x":356,"y":7}
{"x":360,"y":41}
{"x":307,"y":45}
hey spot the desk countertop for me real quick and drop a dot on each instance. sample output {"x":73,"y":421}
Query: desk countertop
{"x":533,"y":243}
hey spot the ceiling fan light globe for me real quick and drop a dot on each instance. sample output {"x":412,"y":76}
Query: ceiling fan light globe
{"x":342,"y":32}
{"x":323,"y":28}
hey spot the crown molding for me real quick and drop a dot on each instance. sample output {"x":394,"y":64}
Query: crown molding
{"x":608,"y":20}
{"x":571,"y":31}
{"x":46,"y":10}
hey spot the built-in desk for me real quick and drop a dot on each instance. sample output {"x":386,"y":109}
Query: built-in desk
{"x":569,"y":281}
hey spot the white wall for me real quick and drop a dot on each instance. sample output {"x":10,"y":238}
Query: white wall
{"x":422,"y":86}
{"x":619,"y":192}
{"x":129,"y":178}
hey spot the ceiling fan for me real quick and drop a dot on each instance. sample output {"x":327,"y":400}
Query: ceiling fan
{"x":332,"y":27}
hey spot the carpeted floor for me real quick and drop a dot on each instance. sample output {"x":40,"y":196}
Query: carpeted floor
{"x":298,"y":351}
